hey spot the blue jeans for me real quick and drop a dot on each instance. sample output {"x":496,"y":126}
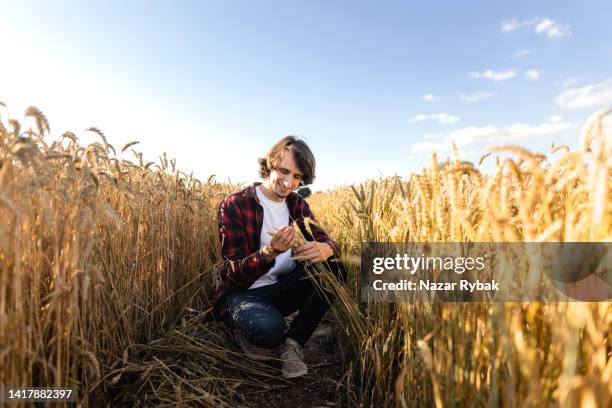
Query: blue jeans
{"x":259,"y":312}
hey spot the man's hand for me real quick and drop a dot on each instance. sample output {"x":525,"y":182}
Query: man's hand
{"x":314,"y":251}
{"x":282,"y":239}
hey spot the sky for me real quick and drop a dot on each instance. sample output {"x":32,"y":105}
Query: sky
{"x":373,"y":87}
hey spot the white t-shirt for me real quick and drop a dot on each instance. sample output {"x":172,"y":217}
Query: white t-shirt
{"x":276,"y":215}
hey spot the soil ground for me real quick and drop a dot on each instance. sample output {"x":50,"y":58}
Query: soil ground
{"x":194,"y":364}
{"x":319,"y":388}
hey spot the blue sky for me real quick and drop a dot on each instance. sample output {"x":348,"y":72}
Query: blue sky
{"x":373,"y":86}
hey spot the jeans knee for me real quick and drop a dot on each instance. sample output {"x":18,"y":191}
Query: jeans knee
{"x":268,"y":333}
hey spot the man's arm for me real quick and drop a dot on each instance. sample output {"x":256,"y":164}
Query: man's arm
{"x":241,"y":267}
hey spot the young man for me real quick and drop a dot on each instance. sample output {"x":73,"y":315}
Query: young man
{"x":260,"y":283}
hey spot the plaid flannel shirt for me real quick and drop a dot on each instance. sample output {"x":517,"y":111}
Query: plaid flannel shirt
{"x":240,"y":222}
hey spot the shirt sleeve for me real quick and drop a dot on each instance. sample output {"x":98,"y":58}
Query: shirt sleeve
{"x":240,"y":267}
{"x":318,"y":233}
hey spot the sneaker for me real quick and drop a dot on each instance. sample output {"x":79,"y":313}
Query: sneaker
{"x":252,"y":351}
{"x":292,"y":356}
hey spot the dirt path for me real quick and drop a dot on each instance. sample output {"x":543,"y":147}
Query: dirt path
{"x":199,"y":364}
{"x":319,"y":388}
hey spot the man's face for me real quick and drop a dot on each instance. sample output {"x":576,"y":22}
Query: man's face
{"x":284,"y":179}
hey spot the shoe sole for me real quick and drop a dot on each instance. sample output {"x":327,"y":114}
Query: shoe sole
{"x":250,"y":355}
{"x":295,"y":375}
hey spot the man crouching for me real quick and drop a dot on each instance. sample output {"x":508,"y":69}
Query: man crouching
{"x":261,"y":283}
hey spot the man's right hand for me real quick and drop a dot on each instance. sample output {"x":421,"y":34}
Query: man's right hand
{"x":282,"y":239}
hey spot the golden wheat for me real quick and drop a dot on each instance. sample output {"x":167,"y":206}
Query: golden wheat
{"x":106,"y":263}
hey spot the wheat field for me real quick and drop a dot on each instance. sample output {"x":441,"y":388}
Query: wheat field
{"x":108,"y":262}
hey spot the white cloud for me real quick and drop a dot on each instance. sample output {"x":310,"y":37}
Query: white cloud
{"x":552,"y":29}
{"x":431,"y":98}
{"x":444,"y":118}
{"x":491,"y":134}
{"x":478,"y":96}
{"x":520,"y":54}
{"x":589,"y":95}
{"x":541,"y":25}
{"x":514,"y":24}
{"x":494,"y":76}
{"x":512,"y":133}
{"x":533,"y":73}
{"x":420,"y":117}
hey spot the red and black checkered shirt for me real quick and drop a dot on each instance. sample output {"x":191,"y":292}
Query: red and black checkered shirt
{"x":240,"y":222}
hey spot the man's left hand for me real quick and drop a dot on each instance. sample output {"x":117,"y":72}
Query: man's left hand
{"x":314,"y":251}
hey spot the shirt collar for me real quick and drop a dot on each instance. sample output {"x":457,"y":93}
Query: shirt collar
{"x":251,"y":192}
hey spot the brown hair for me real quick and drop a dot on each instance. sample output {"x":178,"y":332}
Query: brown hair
{"x":301,"y":154}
